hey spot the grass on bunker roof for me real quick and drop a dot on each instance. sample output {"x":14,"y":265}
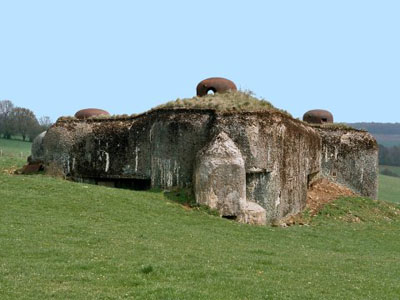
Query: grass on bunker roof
{"x":60,"y":239}
{"x":334,"y":126}
{"x":232,"y":101}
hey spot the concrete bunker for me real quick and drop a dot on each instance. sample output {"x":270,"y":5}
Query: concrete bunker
{"x":253,"y":164}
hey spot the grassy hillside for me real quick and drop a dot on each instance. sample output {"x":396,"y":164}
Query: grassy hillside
{"x":60,"y":239}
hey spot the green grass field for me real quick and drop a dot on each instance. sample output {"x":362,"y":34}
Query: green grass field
{"x":13,"y":153}
{"x":66,"y":240}
{"x":15,"y":147}
{"x":389,"y":188}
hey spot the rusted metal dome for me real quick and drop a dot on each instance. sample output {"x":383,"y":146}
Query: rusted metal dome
{"x":318,"y":116}
{"x":90,"y":112}
{"x":215,"y":84}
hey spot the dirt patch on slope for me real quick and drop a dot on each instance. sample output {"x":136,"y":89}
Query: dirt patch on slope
{"x":323,"y":191}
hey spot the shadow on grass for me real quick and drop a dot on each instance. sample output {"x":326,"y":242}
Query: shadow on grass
{"x":185,"y":197}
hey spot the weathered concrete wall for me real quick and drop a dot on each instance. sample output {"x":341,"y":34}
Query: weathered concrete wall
{"x":350,"y":157}
{"x":160,"y":146}
{"x":59,"y":142}
{"x":37,"y":151}
{"x":219,"y":181}
{"x":220,"y":176}
{"x":279,"y":155}
{"x":174,"y":139}
{"x":101,"y":151}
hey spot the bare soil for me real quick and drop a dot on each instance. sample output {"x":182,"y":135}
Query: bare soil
{"x":323,"y":191}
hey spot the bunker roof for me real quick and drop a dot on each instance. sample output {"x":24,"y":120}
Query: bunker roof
{"x":240,"y":101}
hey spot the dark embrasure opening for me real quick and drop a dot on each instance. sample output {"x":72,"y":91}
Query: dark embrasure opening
{"x":125,"y":183}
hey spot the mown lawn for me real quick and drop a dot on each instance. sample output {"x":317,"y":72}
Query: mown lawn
{"x":60,"y":239}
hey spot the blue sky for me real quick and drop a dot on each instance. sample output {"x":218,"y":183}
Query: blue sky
{"x":57,"y":57}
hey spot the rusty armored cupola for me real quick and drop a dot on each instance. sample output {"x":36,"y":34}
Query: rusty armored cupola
{"x":90,"y":112}
{"x":318,"y":116}
{"x":216,"y":85}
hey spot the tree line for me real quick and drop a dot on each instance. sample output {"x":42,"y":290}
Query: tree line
{"x":20,"y":121}
{"x":389,"y":156}
{"x":378,"y":128}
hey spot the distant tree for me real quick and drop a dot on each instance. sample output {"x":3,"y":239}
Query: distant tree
{"x":387,"y":172}
{"x":383,"y":154}
{"x":378,"y":128}
{"x":389,"y":156}
{"x":6,"y":127}
{"x":24,"y":122}
{"x":45,"y":123}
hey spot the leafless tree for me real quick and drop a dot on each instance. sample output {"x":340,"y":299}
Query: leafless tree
{"x":6,"y":108}
{"x":45,"y":122}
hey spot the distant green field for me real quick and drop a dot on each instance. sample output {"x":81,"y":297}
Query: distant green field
{"x":15,"y":147}
{"x":389,"y":188}
{"x":14,"y":152}
{"x":66,"y":240}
